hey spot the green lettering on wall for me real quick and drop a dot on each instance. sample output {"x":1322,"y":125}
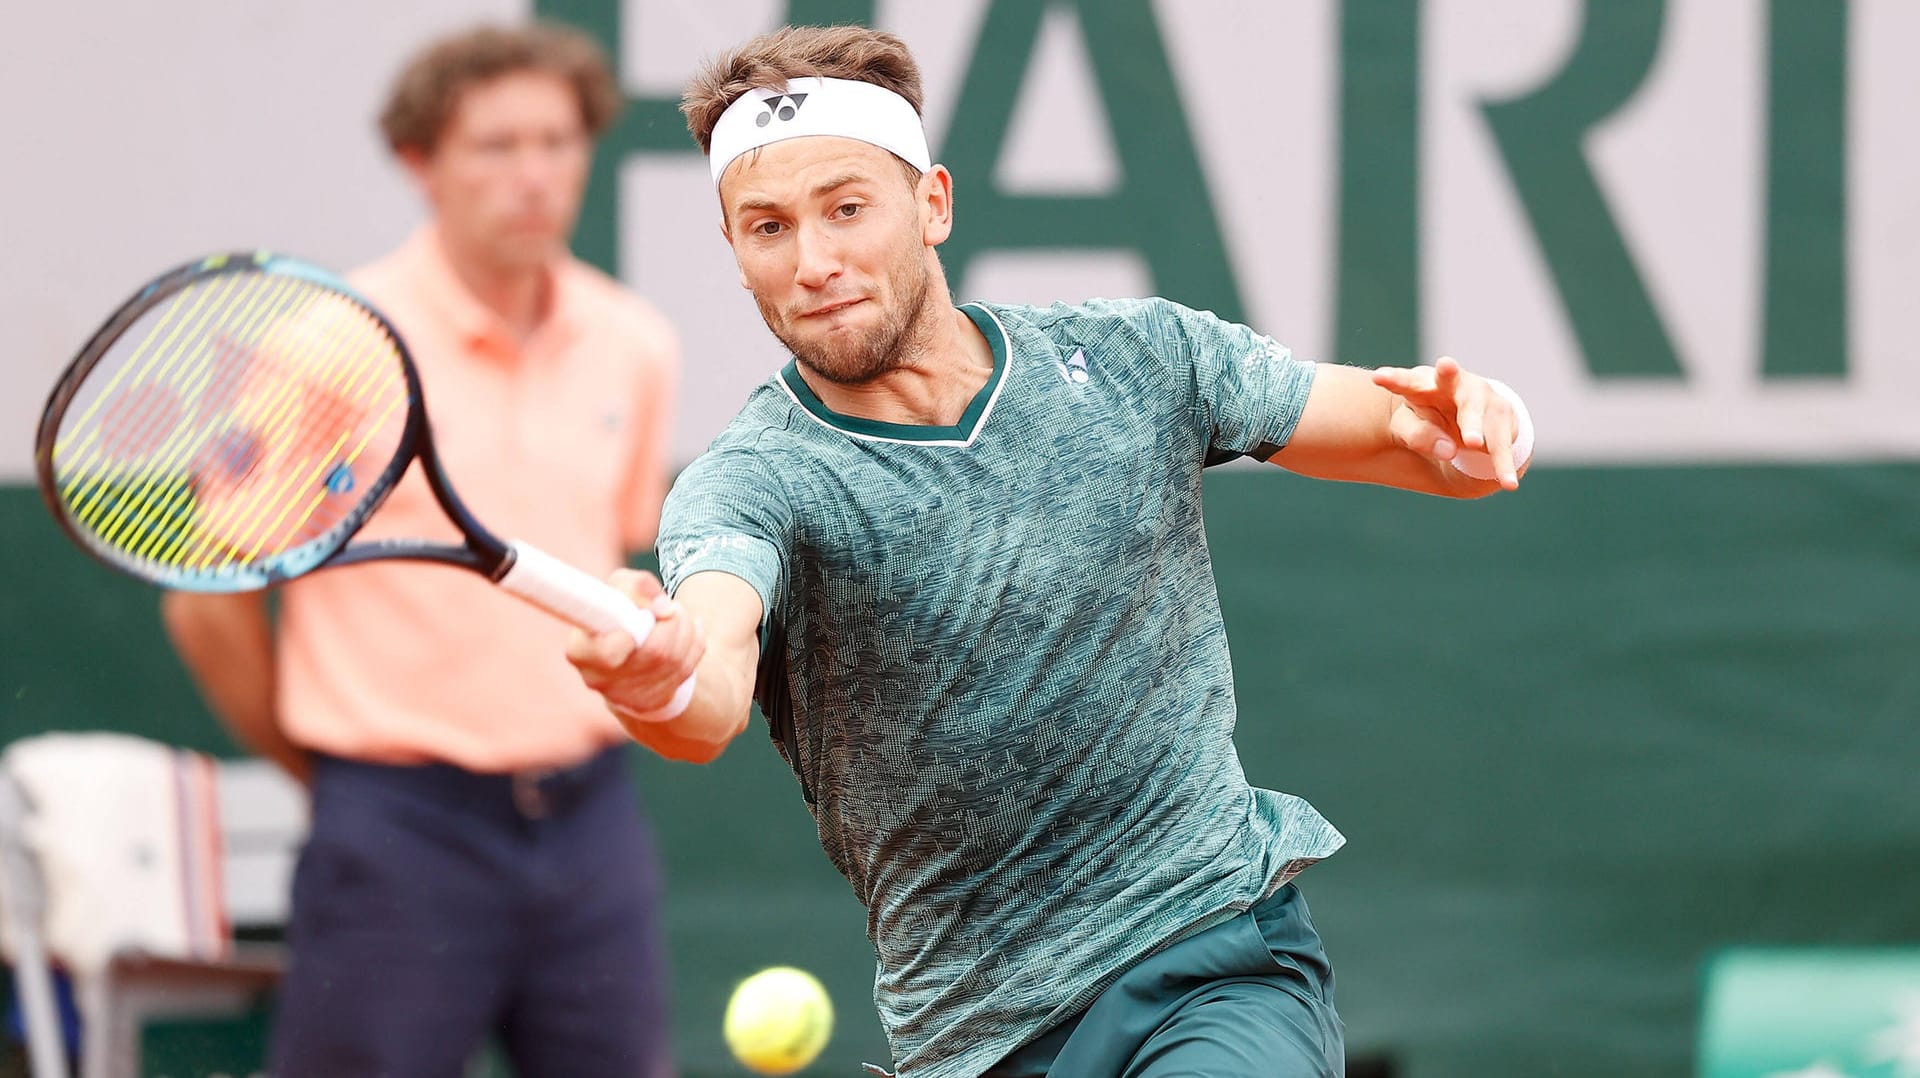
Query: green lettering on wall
{"x":1541,"y":136}
{"x":1162,"y":208}
{"x":649,"y":124}
{"x":1377,"y":304}
{"x":1806,"y":254}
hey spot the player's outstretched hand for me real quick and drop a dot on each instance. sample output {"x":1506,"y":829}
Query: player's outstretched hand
{"x":1444,"y":409}
{"x":638,"y":682}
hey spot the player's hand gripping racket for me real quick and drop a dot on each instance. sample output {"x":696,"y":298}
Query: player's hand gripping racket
{"x":236,"y":422}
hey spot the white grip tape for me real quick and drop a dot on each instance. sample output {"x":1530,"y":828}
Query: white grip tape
{"x":1476,"y":463}
{"x":578,"y":597}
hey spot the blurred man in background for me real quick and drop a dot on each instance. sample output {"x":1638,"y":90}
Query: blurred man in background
{"x":478,"y":864}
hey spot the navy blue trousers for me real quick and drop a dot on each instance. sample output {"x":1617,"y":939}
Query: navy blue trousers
{"x":434,"y":908}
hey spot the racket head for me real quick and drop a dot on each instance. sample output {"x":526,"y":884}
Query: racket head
{"x":231,"y":426}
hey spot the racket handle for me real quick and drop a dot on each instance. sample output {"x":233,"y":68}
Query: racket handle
{"x":585,"y":600}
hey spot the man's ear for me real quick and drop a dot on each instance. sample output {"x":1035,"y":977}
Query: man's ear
{"x":418,"y":163}
{"x":935,"y":194}
{"x":727,"y":235}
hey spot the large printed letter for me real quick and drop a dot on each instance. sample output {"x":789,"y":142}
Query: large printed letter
{"x":1806,"y":290}
{"x":1540,"y":136}
{"x":649,"y":124}
{"x":1162,"y":208}
{"x":1377,"y":308}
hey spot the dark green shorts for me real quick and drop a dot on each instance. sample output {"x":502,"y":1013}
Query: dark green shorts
{"x":1250,"y":998}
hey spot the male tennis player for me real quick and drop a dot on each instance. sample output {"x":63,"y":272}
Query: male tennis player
{"x":957,"y":555}
{"x":478,"y":865}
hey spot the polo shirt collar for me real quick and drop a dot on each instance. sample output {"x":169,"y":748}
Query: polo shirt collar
{"x":475,"y":324}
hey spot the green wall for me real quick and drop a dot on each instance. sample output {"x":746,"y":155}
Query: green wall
{"x":1578,"y":738}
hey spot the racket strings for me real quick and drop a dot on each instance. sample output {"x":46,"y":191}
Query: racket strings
{"x":221,"y":464}
{"x":304,"y":441}
{"x":230,"y":423}
{"x":216,"y":392}
{"x":315,"y":437}
{"x":159,"y":493}
{"x":78,"y":451}
{"x":295,"y":445}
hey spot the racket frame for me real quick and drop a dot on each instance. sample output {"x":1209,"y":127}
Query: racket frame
{"x":518,"y":568}
{"x":481,"y":551}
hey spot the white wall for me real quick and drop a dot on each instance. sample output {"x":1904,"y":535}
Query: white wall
{"x":140,"y":134}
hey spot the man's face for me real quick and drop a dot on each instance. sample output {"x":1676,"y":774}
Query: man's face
{"x":832,"y":238}
{"x":508,"y":174}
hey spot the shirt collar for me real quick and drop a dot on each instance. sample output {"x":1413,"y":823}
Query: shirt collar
{"x":475,"y":324}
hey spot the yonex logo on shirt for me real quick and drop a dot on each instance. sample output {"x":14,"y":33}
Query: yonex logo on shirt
{"x":1075,"y":368}
{"x":775,"y":108}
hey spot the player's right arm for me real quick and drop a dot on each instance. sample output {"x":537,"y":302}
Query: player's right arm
{"x":710,"y":629}
{"x":724,"y":533}
{"x":226,"y":644}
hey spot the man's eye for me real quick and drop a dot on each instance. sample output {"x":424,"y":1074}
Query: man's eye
{"x":848,"y":210}
{"x":767,"y":228}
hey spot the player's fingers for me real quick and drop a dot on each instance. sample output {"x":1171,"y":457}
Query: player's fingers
{"x":1470,"y":412}
{"x":599,"y":656}
{"x":580,"y":648}
{"x":1501,"y":431}
{"x":671,"y":654}
{"x":585,"y":652}
{"x":1422,"y":432}
{"x":667,"y":645}
{"x":641,"y":587}
{"x":1406,"y":381}
{"x":626,"y":582}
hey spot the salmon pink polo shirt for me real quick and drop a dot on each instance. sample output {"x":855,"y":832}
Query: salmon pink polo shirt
{"x":560,"y":440}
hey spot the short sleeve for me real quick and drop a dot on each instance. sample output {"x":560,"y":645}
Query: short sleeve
{"x":727,"y":513}
{"x":1249,"y":390}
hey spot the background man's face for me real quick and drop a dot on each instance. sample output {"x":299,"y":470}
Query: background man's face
{"x":508,"y":175}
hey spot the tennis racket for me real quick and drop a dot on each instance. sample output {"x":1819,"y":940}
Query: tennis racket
{"x":235,"y":423}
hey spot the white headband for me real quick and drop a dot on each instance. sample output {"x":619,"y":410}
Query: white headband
{"x":843,"y":107}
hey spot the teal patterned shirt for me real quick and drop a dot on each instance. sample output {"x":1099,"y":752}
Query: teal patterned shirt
{"x":993,"y":656}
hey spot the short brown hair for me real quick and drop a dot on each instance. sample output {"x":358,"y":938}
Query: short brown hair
{"x":769,"y":61}
{"x":428,"y":89}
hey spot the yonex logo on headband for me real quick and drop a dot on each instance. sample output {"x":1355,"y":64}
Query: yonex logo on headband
{"x":844,"y":108}
{"x":777,"y":110}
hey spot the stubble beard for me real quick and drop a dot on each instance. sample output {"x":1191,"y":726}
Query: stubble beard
{"x":881,"y":349}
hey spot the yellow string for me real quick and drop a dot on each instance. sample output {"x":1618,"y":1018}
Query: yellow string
{"x":355,"y":381}
{"x":82,"y":436}
{"x":199,"y":428}
{"x":137,"y":504}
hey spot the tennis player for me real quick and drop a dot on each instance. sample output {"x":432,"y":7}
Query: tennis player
{"x":478,"y":866}
{"x":956,"y":553}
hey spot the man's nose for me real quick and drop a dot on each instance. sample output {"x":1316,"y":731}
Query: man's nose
{"x":818,"y":260}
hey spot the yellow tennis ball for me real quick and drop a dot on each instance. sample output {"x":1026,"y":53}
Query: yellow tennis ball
{"x":778,"y":1020}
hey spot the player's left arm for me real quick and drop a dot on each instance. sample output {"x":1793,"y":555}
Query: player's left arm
{"x":1405,"y":427}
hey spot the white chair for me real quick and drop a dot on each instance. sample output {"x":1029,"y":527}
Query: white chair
{"x":262,"y":820}
{"x":20,"y":886}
